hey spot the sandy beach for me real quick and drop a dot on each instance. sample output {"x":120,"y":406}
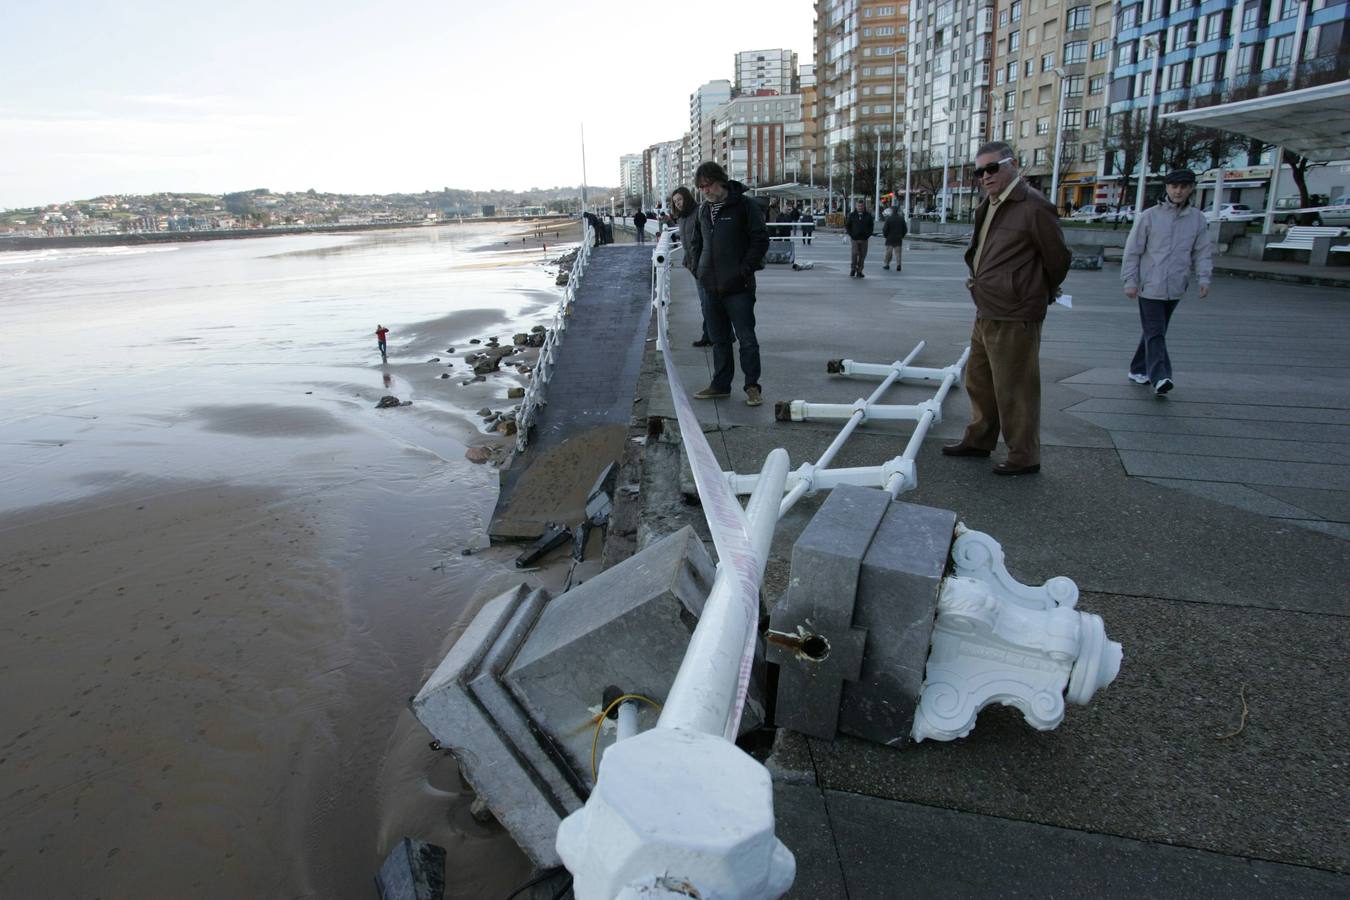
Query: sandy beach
{"x":225,"y":572}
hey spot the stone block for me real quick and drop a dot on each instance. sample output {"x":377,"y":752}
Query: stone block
{"x":497,"y":756}
{"x":627,"y":627}
{"x":413,"y":870}
{"x":851,"y":634}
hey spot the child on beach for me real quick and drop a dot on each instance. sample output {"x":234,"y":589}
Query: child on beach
{"x":380,"y":332}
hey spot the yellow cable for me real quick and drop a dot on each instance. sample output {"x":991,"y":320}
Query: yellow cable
{"x":600,"y":720}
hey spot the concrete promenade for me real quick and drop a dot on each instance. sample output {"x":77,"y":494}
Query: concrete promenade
{"x":1210,"y":529}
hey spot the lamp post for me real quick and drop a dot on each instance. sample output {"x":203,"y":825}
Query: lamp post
{"x":1059,"y":139}
{"x":1151,"y":41}
{"x":895,"y":109}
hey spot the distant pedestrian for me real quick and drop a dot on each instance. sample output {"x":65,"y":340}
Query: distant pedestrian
{"x":380,"y":332}
{"x":894,"y":230}
{"x":730,"y":243}
{"x":860,"y":227}
{"x":640,"y":223}
{"x":1167,"y":241}
{"x":808,"y":220}
{"x":684,"y":208}
{"x":1017,"y":260}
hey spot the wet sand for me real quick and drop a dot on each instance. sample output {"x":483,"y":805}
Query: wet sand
{"x":209,"y":643}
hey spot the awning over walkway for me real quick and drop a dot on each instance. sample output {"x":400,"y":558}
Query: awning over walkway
{"x":1313,"y":122}
{"x":792,"y":191}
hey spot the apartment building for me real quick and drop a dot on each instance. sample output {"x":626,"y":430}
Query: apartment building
{"x":860,"y":71}
{"x":812,"y":158}
{"x":702,"y":104}
{"x":758,"y":138}
{"x":1051,"y":68}
{"x":1212,"y":51}
{"x":632,"y":176}
{"x":766,"y":70}
{"x":661,"y":171}
{"x":950,"y":60}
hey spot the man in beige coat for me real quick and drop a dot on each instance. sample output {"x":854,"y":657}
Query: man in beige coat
{"x":1017,"y":260}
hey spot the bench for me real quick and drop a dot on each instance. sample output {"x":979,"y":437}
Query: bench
{"x":1301,"y":237}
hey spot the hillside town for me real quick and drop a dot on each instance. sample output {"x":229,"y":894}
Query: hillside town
{"x":261,"y":208}
{"x":898,"y":96}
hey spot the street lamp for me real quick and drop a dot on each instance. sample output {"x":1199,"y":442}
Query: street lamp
{"x":1059,"y":137}
{"x":1151,"y":41}
{"x":895,"y":109}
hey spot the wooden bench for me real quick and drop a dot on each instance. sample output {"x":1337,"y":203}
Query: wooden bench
{"x":1301,"y":237}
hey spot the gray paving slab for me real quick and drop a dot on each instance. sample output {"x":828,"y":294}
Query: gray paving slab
{"x":1145,"y":464}
{"x":941,"y":853}
{"x":803,"y":825}
{"x":1248,"y":448}
{"x":1238,"y":495}
{"x":1181,"y":408}
{"x":1224,"y":428}
{"x":1333,"y":505}
{"x":1148,"y":758}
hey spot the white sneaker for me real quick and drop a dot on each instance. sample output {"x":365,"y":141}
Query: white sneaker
{"x":1163,"y":386}
{"x":1139,"y":379}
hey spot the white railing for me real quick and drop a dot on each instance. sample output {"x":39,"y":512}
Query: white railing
{"x":534,"y":398}
{"x":680,"y":805}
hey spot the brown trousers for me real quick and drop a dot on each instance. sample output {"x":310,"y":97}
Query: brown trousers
{"x":1003,"y":381}
{"x":896,"y":248}
{"x":855,"y":262}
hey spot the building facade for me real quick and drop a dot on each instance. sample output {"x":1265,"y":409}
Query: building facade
{"x":661,"y":171}
{"x":632,"y":175}
{"x":758,"y":139}
{"x":702,"y":104}
{"x":1209,"y":52}
{"x":766,"y":70}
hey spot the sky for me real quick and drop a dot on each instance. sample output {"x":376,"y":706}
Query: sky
{"x":355,"y":97}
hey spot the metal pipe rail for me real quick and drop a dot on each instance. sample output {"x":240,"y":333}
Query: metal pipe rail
{"x":534,"y":397}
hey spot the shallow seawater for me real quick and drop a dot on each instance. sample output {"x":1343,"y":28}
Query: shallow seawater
{"x":223,"y":572}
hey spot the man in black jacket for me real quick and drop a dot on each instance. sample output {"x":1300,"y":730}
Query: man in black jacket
{"x":894,"y":230}
{"x":640,"y":223}
{"x":860,"y":227}
{"x":729,"y":244}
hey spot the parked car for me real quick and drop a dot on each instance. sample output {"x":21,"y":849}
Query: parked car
{"x":1335,"y":213}
{"x":1233,"y":212}
{"x":1091,"y":212}
{"x":1285,"y":215}
{"x":1123,"y":214}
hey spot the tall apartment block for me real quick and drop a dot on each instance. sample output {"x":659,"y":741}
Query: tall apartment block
{"x":632,"y":177}
{"x":951,"y":53}
{"x":1216,"y":51}
{"x":858,"y":46}
{"x":1051,"y":67}
{"x":766,"y":70}
{"x":702,"y":104}
{"x":661,"y":171}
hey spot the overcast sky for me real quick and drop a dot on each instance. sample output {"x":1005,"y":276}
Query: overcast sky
{"x":355,"y":97}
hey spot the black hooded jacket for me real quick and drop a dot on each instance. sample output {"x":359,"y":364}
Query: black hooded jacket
{"x":730,"y":250}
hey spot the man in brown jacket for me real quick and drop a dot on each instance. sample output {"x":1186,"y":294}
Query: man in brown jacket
{"x":1017,"y":261}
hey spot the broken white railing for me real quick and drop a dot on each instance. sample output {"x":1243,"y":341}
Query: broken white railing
{"x":543,"y":369}
{"x":680,"y":810}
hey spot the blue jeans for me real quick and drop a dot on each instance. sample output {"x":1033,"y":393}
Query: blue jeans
{"x":728,"y":317}
{"x":1151,"y":358}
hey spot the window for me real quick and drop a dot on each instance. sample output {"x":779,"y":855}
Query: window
{"x":1129,"y":17}
{"x":885,"y":31}
{"x":1091,"y":150}
{"x":1289,"y":9}
{"x":1009,"y":101}
{"x":1017,"y":10}
{"x":1003,"y":18}
{"x":1178,"y":75}
{"x":1096,"y":84}
{"x":1012,"y":71}
{"x":1014,"y":40}
{"x":1075,"y":52}
{"x":1078,"y":17}
{"x":1031,"y":68}
{"x":886,"y":11}
{"x":1007,"y":130}
{"x":1039,"y":156}
{"x":1093,"y":119}
{"x":1284,"y":50}
{"x":1072,"y":119}
{"x":1024,"y":128}
{"x":1048,"y":61}
{"x":1031,"y":36}
{"x":867,"y":32}
{"x":1125,"y":55}
{"x":998,"y":78}
{"x":1043,"y":125}
{"x":1209,"y":68}
{"x":1073,"y":86}
{"x":1100,"y":49}
{"x":1251,"y":15}
{"x":1249,"y":58}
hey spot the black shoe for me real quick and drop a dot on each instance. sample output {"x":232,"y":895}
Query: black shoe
{"x":1005,"y":469}
{"x":702,"y":342}
{"x":852,"y":273}
{"x":959,"y":449}
{"x":885,"y":268}
{"x":860,"y":274}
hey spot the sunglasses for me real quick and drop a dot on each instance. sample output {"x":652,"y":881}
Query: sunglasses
{"x":992,"y":168}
